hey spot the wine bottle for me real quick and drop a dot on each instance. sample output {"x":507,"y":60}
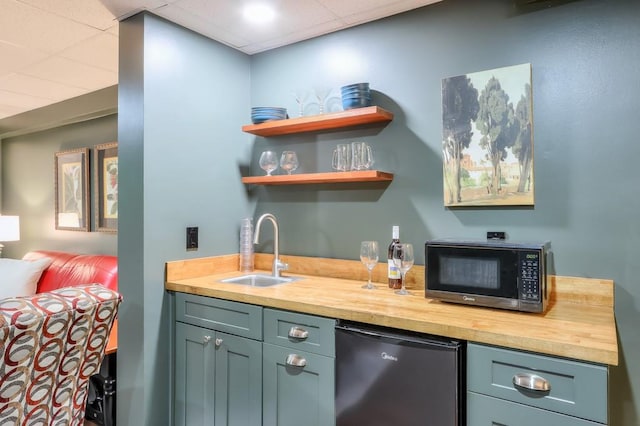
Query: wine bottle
{"x":393,"y":272}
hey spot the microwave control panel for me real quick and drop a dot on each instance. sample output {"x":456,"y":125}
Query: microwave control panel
{"x":529,"y":275}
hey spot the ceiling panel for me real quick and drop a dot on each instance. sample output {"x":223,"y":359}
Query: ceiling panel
{"x":100,"y":51}
{"x":71,"y":73}
{"x":15,"y":58}
{"x":33,"y":86}
{"x":24,"y":25}
{"x":92,"y":13}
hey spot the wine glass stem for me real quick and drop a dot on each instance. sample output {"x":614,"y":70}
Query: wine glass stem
{"x":369,"y":283}
{"x":403,"y":274}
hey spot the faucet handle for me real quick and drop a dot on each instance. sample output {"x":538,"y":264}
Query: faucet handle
{"x":281,"y":266}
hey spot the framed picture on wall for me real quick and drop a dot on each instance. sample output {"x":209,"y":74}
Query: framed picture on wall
{"x":487,"y":141}
{"x":106,"y":187}
{"x":72,"y":190}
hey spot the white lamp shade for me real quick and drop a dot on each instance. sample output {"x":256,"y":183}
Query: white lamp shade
{"x":9,"y":228}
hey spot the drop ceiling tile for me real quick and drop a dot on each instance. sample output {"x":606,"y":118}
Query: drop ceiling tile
{"x":76,"y":74}
{"x":23,"y":25}
{"x":360,"y":11}
{"x":293,"y":16}
{"x":33,"y":86}
{"x":17,"y":57}
{"x":19,"y":100}
{"x":100,"y":51}
{"x":90,"y":12}
{"x":187,"y":19}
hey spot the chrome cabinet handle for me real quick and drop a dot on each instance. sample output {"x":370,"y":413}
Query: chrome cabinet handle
{"x":206,"y":339}
{"x":298,"y":333}
{"x":218,"y":342}
{"x":296,"y":360}
{"x":531,"y":382}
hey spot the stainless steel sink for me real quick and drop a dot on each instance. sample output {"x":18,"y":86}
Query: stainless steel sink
{"x":259,"y":280}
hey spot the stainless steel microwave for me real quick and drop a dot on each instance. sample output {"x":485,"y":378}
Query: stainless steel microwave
{"x":493,"y":273}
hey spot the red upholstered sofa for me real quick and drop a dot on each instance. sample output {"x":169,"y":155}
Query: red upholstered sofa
{"x":70,"y":269}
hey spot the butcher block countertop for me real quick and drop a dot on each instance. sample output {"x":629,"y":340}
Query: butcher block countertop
{"x":579,"y":322}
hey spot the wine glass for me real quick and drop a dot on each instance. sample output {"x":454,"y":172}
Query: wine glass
{"x":289,"y":161}
{"x":403,"y":259}
{"x":369,"y":256}
{"x":268,"y":161}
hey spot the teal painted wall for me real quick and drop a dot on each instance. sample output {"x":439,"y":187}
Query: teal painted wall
{"x":182,"y":99}
{"x":28,"y":186}
{"x":585,"y":57}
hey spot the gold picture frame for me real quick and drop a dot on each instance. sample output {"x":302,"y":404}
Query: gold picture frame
{"x":106,"y":187}
{"x":72,"y":190}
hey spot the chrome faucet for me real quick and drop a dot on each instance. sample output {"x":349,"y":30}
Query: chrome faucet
{"x":278,"y":265}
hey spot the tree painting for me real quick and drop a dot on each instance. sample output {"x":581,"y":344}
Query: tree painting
{"x":487,"y":143}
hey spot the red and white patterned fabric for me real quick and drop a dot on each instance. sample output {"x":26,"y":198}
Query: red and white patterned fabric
{"x":51,"y":344}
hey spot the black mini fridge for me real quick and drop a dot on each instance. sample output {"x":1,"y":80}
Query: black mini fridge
{"x":386,"y":377}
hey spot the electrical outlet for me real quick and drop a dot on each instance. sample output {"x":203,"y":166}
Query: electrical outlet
{"x":192,"y":238}
{"x":496,"y":235}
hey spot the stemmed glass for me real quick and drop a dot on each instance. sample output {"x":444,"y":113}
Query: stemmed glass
{"x":321,"y":95}
{"x":403,"y":259}
{"x":369,"y":256}
{"x":268,"y":161}
{"x":289,"y":161}
{"x":301,"y":96}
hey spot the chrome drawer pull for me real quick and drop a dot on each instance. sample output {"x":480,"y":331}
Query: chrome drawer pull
{"x":531,"y":382}
{"x":206,"y":339}
{"x":298,"y":333}
{"x":296,"y":360}
{"x":218,"y":342}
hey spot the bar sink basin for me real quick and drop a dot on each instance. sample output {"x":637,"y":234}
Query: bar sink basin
{"x":259,"y":280}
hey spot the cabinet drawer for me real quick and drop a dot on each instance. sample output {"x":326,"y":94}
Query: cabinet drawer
{"x":576,"y":388}
{"x":314,"y":334}
{"x":235,"y":318}
{"x":484,"y":410}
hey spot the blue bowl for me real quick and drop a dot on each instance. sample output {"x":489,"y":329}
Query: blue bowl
{"x":351,"y":103}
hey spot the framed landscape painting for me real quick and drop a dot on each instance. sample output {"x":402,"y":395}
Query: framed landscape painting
{"x":72,"y":190}
{"x":106,"y":184}
{"x":487,"y":138}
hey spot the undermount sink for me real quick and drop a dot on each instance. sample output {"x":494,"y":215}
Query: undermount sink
{"x":259,"y":280}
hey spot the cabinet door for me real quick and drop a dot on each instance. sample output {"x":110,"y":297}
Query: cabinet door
{"x":294,"y":396}
{"x":194,"y":376}
{"x":483,"y":410}
{"x":238,"y":381}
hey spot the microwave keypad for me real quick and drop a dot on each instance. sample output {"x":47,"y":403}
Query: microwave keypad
{"x":529,"y":279}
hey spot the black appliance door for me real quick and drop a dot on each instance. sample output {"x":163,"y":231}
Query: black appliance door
{"x":389,"y":379}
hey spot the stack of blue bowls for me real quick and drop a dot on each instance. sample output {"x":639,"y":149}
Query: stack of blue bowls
{"x":356,"y":96}
{"x":262,"y":114}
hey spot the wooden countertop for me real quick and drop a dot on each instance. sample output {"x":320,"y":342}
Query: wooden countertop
{"x":579,"y":322}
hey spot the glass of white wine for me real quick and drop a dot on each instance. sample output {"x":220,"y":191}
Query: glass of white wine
{"x":268,"y":161}
{"x":369,"y":257}
{"x":403,"y":259}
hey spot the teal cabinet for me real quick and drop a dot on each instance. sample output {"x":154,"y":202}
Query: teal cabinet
{"x":298,"y":369}
{"x":498,"y":381}
{"x":226,"y":376}
{"x":218,"y":376}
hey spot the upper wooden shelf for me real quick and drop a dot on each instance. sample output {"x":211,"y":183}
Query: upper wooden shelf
{"x":334,"y":120}
{"x":328,"y":177}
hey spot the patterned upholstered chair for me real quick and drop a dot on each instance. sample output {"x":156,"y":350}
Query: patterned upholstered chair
{"x":51,"y":344}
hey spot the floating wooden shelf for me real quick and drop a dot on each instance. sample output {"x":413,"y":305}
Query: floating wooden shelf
{"x":334,"y":120}
{"x":316,"y":178}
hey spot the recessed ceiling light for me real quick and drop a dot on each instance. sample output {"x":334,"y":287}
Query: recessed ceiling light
{"x":259,"y":13}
